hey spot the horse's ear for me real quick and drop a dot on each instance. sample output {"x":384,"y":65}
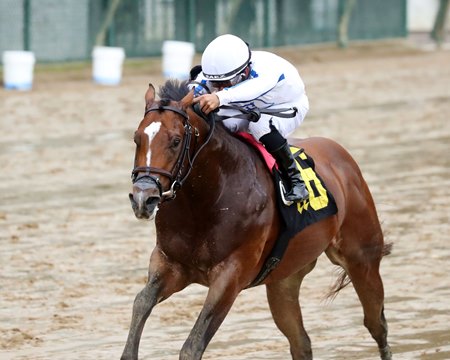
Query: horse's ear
{"x":187,"y":100}
{"x":150,"y":94}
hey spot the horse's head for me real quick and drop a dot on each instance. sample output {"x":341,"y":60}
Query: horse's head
{"x":163,"y":141}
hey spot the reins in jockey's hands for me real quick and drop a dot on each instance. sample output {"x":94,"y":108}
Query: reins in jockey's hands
{"x":208,"y":102}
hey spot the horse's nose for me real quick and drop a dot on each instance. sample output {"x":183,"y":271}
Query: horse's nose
{"x":144,"y":199}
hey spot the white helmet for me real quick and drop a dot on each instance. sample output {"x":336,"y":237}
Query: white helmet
{"x":225,"y":57}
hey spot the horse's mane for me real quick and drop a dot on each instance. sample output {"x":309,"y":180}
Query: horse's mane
{"x":173,"y":90}
{"x":176,"y":90}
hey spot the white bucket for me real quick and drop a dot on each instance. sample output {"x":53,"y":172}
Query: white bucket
{"x":177,"y":59}
{"x":107,"y":65}
{"x":18,"y":67}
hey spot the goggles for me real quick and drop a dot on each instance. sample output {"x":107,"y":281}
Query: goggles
{"x":230,"y":82}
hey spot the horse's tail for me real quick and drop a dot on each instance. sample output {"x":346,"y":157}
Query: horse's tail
{"x":343,"y":279}
{"x":387,"y":249}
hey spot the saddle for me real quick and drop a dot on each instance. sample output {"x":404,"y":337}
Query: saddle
{"x":295,"y":216}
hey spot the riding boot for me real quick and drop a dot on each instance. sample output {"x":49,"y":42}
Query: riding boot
{"x":278,"y":146}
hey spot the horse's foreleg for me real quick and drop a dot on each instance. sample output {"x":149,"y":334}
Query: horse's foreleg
{"x":163,"y":281}
{"x":142,"y":307}
{"x":221,"y":296}
{"x":283,"y":297}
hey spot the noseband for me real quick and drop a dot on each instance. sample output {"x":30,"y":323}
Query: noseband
{"x":176,"y":176}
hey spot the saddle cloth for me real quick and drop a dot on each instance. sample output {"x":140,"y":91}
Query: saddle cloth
{"x":297,"y":216}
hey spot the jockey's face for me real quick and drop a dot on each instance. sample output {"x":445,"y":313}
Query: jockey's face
{"x":220,"y":85}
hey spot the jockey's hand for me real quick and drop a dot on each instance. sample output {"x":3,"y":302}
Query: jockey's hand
{"x":208,"y":102}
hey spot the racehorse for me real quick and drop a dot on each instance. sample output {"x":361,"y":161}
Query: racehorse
{"x":216,"y":218}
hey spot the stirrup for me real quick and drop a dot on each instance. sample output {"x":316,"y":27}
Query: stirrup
{"x":283,"y":192}
{"x":286,"y":201}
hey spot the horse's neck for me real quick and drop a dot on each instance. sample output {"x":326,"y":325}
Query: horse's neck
{"x":225,"y":163}
{"x":224,"y":153}
{"x":227,"y":150}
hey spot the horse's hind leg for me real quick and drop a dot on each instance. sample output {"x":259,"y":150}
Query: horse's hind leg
{"x":367,"y":282}
{"x":359,"y":250}
{"x":369,"y":287}
{"x":283,"y":297}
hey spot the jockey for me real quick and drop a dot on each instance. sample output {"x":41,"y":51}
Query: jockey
{"x":255,"y":79}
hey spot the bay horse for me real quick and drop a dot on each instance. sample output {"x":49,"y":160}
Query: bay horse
{"x":216,"y":218}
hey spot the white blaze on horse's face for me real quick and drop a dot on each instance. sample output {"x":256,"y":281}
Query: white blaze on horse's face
{"x":151,"y":132}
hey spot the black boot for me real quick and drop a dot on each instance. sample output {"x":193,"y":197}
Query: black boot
{"x":277,"y":145}
{"x":286,"y":161}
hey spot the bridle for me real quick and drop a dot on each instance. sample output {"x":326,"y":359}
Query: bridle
{"x":178,"y":174}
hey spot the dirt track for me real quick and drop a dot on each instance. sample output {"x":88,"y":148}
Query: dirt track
{"x":73,"y":256}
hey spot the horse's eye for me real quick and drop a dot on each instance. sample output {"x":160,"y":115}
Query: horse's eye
{"x":175,"y":142}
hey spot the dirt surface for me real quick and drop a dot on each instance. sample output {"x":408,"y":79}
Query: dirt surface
{"x":73,"y":256}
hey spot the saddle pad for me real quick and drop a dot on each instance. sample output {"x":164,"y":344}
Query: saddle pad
{"x":297,"y":216}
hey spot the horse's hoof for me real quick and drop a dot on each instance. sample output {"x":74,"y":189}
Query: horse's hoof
{"x":386,"y":353}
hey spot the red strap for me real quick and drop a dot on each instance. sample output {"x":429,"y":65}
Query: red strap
{"x":268,"y":159}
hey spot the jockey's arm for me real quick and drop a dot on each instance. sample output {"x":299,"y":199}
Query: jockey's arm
{"x":244,"y":91}
{"x":248,"y":90}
